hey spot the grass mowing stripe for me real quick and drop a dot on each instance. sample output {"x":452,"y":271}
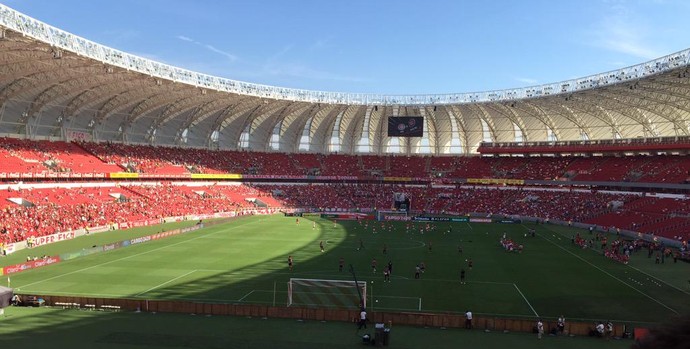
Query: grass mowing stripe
{"x":165,"y":283}
{"x":525,"y":298}
{"x":127,"y":257}
{"x":607,"y":273}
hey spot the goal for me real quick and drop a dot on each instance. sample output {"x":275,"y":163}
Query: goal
{"x":327,"y":293}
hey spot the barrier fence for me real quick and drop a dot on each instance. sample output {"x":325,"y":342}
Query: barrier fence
{"x":317,"y":314}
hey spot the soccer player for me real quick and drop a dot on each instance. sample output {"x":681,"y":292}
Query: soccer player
{"x":469,"y":263}
{"x":290,"y":262}
{"x":468,"y":320}
{"x":386,"y":275}
{"x":297,"y":221}
{"x":417,"y":271}
{"x":321,"y":246}
{"x":341,"y":263}
{"x":390,"y":267}
{"x":385,"y":248}
{"x":313,"y":225}
{"x":462,"y":276}
{"x":431,"y":245}
{"x":361,"y":245}
{"x":373,"y":265}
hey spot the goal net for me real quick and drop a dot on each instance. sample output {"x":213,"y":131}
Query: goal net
{"x":326,"y":293}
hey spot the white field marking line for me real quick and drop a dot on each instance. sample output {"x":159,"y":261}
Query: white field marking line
{"x":525,"y":298}
{"x":607,"y":273}
{"x":468,"y":224}
{"x":245,"y":296}
{"x":47,"y":293}
{"x":123,"y":258}
{"x":630,"y":266}
{"x":165,"y":283}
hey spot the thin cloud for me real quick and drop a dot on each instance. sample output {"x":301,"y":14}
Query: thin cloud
{"x":230,"y":56}
{"x":280,"y":53}
{"x":209,"y":47}
{"x":320,"y":44}
{"x":623,"y":31}
{"x":527,"y":80}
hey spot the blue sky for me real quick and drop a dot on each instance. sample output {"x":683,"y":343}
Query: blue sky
{"x":388,"y":47}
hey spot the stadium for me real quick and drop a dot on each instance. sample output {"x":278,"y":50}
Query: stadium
{"x":131,"y":188}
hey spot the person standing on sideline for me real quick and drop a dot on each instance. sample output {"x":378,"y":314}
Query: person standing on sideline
{"x":468,"y":320}
{"x":561,"y":324}
{"x":362,"y":319}
{"x":540,"y":329}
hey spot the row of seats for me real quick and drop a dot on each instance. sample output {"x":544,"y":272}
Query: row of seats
{"x":25,"y":156}
{"x":50,"y":210}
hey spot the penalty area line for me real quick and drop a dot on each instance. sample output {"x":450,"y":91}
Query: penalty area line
{"x":246,"y":295}
{"x":525,"y":298}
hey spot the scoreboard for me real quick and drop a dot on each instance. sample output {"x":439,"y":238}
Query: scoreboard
{"x":405,"y":126}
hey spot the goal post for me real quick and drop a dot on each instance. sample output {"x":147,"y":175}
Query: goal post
{"x":326,"y":293}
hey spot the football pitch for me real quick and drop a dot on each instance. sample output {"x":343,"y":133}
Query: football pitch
{"x":245,"y":261}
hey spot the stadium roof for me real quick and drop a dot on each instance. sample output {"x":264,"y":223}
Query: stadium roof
{"x":56,"y":84}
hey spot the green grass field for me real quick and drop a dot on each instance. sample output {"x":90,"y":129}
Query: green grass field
{"x":246,"y":261}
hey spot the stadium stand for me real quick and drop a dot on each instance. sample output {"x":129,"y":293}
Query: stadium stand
{"x":46,"y":210}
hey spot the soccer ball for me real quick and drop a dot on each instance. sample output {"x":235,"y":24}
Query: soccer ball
{"x":377,"y":301}
{"x":465,"y":260}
